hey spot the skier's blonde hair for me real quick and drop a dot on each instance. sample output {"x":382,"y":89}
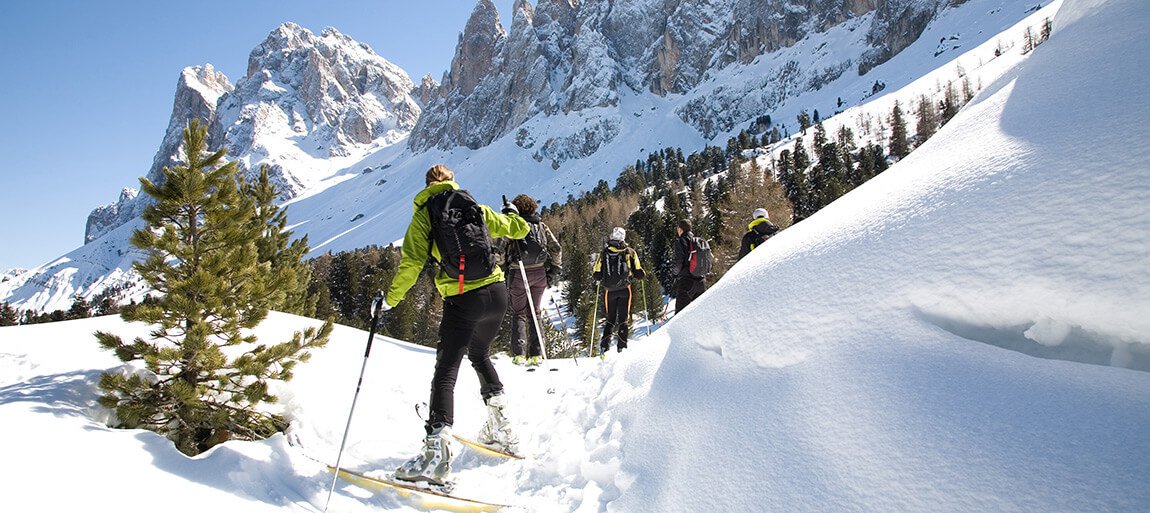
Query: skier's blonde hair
{"x":439,"y":173}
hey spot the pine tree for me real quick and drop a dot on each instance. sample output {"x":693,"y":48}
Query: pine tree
{"x":580,"y":290}
{"x":648,"y":290}
{"x":80,"y":308}
{"x":847,"y":151}
{"x":8,"y":315}
{"x":804,"y":120}
{"x":927,"y":120}
{"x":967,"y":90}
{"x":899,"y":146}
{"x":800,"y":165}
{"x":288,"y":292}
{"x":206,"y":374}
{"x":348,"y":293}
{"x":784,"y":165}
{"x":950,"y":104}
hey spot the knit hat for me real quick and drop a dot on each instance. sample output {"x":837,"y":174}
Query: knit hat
{"x":761,"y":213}
{"x":618,"y":234}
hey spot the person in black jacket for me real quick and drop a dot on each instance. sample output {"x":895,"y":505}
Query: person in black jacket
{"x":614,"y":269}
{"x":758,"y":232}
{"x":687,"y":287}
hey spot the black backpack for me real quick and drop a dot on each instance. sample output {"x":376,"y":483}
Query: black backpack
{"x":533,"y":247}
{"x":615,"y":269}
{"x":460,"y":233}
{"x":700,"y":260}
{"x":760,"y":238}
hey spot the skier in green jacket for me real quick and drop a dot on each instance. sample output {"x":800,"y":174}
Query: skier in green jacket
{"x":474,"y":302}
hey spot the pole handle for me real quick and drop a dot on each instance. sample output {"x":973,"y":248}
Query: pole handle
{"x":376,"y":314}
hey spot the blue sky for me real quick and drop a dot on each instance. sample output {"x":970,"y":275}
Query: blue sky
{"x":86,"y":89}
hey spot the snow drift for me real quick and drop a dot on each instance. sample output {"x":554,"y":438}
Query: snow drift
{"x":861,"y":372}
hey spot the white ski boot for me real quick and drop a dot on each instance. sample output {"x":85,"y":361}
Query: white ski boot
{"x":433,"y":465}
{"x":496,"y":431}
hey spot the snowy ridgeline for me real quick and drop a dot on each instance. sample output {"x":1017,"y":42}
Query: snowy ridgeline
{"x":916,"y":346}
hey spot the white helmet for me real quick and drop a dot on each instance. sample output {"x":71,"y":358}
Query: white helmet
{"x":618,"y":234}
{"x":761,"y":213}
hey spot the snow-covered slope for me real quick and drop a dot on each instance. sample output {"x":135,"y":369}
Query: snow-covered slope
{"x":870,"y":358}
{"x":874,"y":376}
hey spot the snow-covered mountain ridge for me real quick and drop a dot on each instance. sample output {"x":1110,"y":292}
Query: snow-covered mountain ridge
{"x":309,"y":105}
{"x":362,"y":197}
{"x":562,"y":57}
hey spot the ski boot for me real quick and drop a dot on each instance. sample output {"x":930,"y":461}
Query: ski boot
{"x":533,"y":361}
{"x":496,"y":432}
{"x":433,"y":465}
{"x":518,"y":359}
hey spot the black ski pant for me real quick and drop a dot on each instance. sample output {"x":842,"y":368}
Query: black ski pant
{"x":522,"y":325}
{"x":617,"y":304}
{"x":470,"y":323}
{"x":686,"y":290}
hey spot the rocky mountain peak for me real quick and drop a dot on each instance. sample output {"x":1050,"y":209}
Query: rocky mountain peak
{"x":477,"y":48}
{"x":308,"y":97}
{"x":567,"y":56}
{"x":305,"y":98}
{"x":198,"y":90}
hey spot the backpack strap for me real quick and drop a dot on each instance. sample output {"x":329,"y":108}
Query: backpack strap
{"x":462,"y":266}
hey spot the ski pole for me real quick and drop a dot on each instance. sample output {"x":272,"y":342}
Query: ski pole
{"x":376,"y":313}
{"x":594,"y":323}
{"x":646,"y":312}
{"x":531,"y":305}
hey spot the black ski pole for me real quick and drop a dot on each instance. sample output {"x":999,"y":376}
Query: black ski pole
{"x":376,"y":313}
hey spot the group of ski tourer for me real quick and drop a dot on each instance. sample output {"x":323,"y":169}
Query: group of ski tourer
{"x":467,"y":239}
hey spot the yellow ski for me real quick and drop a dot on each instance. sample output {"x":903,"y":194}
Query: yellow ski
{"x":428,"y":497}
{"x":488,"y":450}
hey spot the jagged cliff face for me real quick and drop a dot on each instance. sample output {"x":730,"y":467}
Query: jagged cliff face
{"x":567,"y":55}
{"x":328,"y":94}
{"x":305,"y":100}
{"x":198,"y":91}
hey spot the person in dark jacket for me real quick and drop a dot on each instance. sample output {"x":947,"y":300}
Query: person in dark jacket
{"x":614,"y":269}
{"x":533,"y":255}
{"x":758,"y":232}
{"x":473,"y":309}
{"x":687,"y":287}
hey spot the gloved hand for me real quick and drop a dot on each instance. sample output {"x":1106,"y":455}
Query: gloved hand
{"x":380,"y":301}
{"x":553,"y":275}
{"x":509,"y":208}
{"x":639,"y":273}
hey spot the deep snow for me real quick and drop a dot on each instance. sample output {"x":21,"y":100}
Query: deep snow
{"x":879,"y":356}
